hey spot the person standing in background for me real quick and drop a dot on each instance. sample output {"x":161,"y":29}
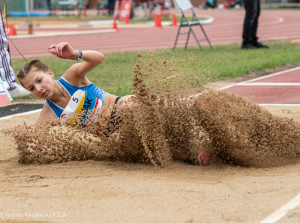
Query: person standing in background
{"x":111,"y":7}
{"x":7,"y":73}
{"x":250,"y":39}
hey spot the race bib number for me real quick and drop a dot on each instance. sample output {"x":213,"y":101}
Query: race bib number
{"x":81,"y":109}
{"x":73,"y":109}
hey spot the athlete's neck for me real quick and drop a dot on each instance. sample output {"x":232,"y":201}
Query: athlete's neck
{"x":59,"y":93}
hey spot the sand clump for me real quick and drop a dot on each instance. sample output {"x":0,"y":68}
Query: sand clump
{"x":246,"y":134}
{"x":162,"y":122}
{"x":52,"y":142}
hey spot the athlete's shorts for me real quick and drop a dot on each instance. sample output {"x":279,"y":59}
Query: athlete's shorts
{"x":114,"y":120}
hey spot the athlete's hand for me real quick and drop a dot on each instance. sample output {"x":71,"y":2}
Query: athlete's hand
{"x":62,"y":50}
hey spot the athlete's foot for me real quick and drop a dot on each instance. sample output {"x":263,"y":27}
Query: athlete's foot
{"x":205,"y":104}
{"x":204,"y":158}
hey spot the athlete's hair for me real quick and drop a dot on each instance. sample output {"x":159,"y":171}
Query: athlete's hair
{"x":34,"y":64}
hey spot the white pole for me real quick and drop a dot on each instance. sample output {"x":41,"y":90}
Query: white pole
{"x":31,"y":5}
{"x":27,"y":5}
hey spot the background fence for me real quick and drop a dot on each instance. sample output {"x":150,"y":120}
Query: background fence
{"x":28,"y":5}
{"x":280,"y":3}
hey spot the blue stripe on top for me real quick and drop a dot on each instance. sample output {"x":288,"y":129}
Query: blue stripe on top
{"x":91,"y":91}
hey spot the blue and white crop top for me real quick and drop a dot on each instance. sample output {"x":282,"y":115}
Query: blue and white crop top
{"x":85,"y":100}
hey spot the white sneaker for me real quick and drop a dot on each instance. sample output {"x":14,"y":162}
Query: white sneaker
{"x":18,"y":91}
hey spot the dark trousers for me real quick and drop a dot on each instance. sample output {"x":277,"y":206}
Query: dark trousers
{"x":111,"y":6}
{"x":252,"y":8}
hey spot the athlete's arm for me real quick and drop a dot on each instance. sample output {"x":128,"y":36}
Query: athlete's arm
{"x":76,"y":74}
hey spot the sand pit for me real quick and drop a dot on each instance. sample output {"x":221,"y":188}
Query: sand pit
{"x":104,"y":191}
{"x":100,"y":187}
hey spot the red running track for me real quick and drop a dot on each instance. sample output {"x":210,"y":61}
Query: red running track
{"x":226,"y":28}
{"x":282,"y":88}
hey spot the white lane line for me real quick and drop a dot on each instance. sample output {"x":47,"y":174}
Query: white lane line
{"x":267,"y":84}
{"x":277,"y":215}
{"x":81,"y":32}
{"x":260,"y":78}
{"x":286,"y":105}
{"x":241,"y":83}
{"x":20,"y":114}
{"x":277,"y":19}
{"x":274,"y":74}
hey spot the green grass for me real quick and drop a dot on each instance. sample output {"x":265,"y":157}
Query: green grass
{"x":223,"y":62}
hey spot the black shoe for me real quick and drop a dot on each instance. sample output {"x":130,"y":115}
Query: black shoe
{"x":248,"y":46}
{"x":259,"y":45}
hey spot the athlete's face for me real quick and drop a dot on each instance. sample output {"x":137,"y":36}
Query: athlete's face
{"x":40,"y":83}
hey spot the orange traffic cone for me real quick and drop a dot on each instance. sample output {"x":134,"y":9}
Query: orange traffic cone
{"x":174,"y":20}
{"x":115,"y":23}
{"x":158,"y":21}
{"x":127,"y":19}
{"x":10,"y":30}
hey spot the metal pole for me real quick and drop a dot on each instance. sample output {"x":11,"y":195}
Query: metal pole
{"x":84,"y":7}
{"x":27,"y":6}
{"x":30,"y":9}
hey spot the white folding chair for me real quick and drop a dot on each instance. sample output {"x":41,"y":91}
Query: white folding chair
{"x":182,"y":6}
